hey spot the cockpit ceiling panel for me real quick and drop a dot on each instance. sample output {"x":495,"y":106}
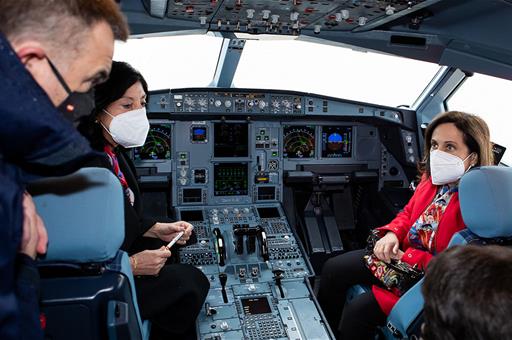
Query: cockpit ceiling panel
{"x":284,"y":16}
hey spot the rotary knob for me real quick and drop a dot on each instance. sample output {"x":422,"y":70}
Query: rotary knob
{"x":224,"y":326}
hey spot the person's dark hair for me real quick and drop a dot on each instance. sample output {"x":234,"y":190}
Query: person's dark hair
{"x":122,"y":77}
{"x":59,"y":23}
{"x":475,"y":133}
{"x":468,"y":294}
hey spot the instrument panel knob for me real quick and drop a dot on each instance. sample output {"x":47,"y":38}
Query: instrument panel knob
{"x":224,"y":326}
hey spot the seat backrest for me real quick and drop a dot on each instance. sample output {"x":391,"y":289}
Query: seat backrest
{"x":83,"y":214}
{"x":485,"y":196}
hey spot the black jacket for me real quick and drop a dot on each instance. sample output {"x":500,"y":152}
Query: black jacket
{"x":35,"y":140}
{"x":136,"y":224}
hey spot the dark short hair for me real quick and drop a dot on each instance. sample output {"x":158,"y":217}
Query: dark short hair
{"x":60,"y":21}
{"x":468,"y":294}
{"x":122,"y":77}
{"x":475,"y":134}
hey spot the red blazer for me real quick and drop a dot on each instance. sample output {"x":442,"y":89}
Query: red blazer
{"x":451,"y":222}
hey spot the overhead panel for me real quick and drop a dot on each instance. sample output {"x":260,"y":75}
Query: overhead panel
{"x":288,"y":17}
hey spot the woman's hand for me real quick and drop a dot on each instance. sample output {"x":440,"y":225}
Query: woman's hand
{"x":167,"y":231}
{"x":387,"y":248}
{"x":149,"y":262}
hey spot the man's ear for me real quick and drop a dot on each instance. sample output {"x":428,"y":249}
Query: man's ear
{"x":29,"y":52}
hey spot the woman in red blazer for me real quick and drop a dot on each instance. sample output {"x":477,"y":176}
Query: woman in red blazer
{"x":454,"y":142}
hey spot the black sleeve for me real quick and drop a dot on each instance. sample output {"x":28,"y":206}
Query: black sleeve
{"x":135,"y":227}
{"x":27,"y":291}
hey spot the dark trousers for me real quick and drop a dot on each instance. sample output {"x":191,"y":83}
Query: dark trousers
{"x":360,"y":318}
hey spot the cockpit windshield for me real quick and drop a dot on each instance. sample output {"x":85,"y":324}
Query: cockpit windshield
{"x":172,"y":61}
{"x":191,"y":60}
{"x":332,"y":71}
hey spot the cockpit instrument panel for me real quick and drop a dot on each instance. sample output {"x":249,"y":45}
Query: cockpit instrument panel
{"x":230,"y":179}
{"x":279,"y":17}
{"x":336,"y":141}
{"x":199,"y":134}
{"x":157,"y":145}
{"x":230,"y":140}
{"x":299,"y":141}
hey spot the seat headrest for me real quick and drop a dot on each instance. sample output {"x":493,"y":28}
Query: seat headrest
{"x":485,"y":196}
{"x":83,"y":213}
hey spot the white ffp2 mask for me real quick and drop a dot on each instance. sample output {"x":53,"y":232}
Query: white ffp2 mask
{"x":446,"y":168}
{"x":129,"y":129}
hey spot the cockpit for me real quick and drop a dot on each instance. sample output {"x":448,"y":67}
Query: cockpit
{"x":285,"y":131}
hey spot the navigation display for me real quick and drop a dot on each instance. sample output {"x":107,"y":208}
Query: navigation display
{"x":157,"y":145}
{"x":230,"y":179}
{"x":299,"y":141}
{"x":336,"y":141}
{"x":231,"y":140}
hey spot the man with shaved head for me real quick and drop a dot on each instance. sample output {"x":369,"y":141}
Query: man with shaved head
{"x":52,"y":52}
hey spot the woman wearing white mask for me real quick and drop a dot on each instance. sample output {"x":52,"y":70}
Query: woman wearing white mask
{"x":454,"y":143}
{"x":170,"y":295}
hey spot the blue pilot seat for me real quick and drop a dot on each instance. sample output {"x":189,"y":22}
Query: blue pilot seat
{"x":485,"y":196}
{"x":87,"y":286}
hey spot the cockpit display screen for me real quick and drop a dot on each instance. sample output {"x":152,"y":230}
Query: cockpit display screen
{"x":336,"y":141}
{"x":157,"y":145}
{"x":271,"y":212}
{"x":230,"y":179}
{"x":192,"y":215}
{"x":299,"y":141}
{"x":257,"y":305}
{"x":199,"y":134}
{"x":231,"y":140}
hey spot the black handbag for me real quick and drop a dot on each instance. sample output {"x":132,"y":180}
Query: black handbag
{"x":397,"y":276}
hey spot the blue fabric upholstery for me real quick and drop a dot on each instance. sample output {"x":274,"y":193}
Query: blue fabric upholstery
{"x":84,"y":217}
{"x":485,"y":196}
{"x":406,"y":310}
{"x":83,"y":214}
{"x":486,"y":201}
